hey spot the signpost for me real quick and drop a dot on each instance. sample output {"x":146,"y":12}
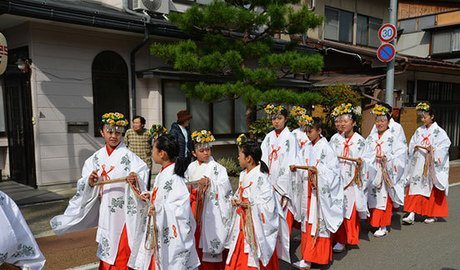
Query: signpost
{"x":387,"y":33}
{"x":3,"y":54}
{"x":386,"y":52}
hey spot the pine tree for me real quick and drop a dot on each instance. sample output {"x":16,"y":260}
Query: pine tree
{"x":235,"y":39}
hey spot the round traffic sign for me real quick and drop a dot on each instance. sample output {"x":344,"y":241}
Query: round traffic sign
{"x":3,"y":54}
{"x":386,"y":52}
{"x":387,"y":32}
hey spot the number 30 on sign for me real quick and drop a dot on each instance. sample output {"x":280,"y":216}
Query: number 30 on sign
{"x":387,"y":32}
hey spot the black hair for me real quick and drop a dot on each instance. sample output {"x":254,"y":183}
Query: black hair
{"x":317,"y":124}
{"x":141,"y":118}
{"x":252,"y":149}
{"x":169,"y":144}
{"x":430,"y":111}
{"x":284,"y":113}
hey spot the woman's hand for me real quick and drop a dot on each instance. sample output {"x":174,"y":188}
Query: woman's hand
{"x":93,"y":177}
{"x":132,"y":178}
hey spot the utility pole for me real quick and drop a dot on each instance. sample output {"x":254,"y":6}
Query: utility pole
{"x":390,"y":80}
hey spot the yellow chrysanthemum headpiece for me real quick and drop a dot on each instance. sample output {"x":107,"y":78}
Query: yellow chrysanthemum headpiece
{"x":423,"y":106}
{"x":114,"y":119}
{"x":306,"y":120}
{"x":273,"y":110}
{"x":241,"y":139}
{"x":346,"y":108}
{"x":157,"y":130}
{"x":297,"y":112}
{"x":379,"y":110}
{"x":202,"y":137}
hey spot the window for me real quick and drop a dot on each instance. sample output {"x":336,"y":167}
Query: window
{"x":417,"y":24}
{"x":367,"y":31}
{"x":222,"y":118}
{"x":110,"y":86}
{"x":446,"y":41}
{"x":339,"y":25}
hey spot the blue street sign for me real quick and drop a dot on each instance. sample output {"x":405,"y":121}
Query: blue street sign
{"x":386,"y":52}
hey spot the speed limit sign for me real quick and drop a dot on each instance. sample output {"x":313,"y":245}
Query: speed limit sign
{"x":387,"y":32}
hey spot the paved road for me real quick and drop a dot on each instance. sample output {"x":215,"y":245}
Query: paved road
{"x":420,"y":246}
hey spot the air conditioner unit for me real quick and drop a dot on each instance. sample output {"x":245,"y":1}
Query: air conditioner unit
{"x":158,"y":6}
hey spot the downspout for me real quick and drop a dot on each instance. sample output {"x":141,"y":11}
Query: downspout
{"x":132,"y":60}
{"x":312,"y":5}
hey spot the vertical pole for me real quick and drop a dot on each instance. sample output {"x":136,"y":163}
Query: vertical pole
{"x":390,"y":80}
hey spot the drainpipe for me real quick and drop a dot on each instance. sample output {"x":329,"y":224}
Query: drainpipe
{"x":312,"y":5}
{"x":132,"y":60}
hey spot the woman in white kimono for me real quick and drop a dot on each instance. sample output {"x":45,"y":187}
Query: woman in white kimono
{"x":279,"y":150}
{"x":168,"y":239}
{"x":108,"y":196}
{"x":349,"y":148}
{"x":299,"y":133}
{"x":393,"y":126}
{"x":385,"y":157}
{"x":322,"y":203}
{"x":254,"y":230}
{"x":428,"y":172}
{"x":210,"y":199}
{"x":18,"y":247}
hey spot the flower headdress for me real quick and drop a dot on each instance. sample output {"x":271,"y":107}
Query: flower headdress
{"x":114,"y":119}
{"x":306,"y":120}
{"x":423,"y":106}
{"x":380,"y":110}
{"x":273,"y":110}
{"x":241,"y":139}
{"x":157,"y":130}
{"x":202,"y":137}
{"x":297,"y":112}
{"x":346,"y":108}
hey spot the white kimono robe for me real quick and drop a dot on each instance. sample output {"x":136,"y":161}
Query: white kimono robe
{"x":396,"y":153}
{"x":217,"y":208}
{"x":174,"y":223}
{"x":265,"y":218}
{"x":330,"y":189}
{"x":279,"y":152}
{"x":395,"y":128}
{"x":419,"y":184}
{"x":301,"y":138}
{"x":109,"y":207}
{"x":17,"y":243}
{"x":354,"y":148}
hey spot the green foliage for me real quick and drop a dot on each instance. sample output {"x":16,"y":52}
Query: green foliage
{"x":259,"y":128}
{"x":234,"y":38}
{"x":231,"y":164}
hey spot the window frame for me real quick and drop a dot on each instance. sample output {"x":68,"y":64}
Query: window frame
{"x":338,"y":24}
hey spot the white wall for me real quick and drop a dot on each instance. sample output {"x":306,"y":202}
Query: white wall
{"x":62,"y":92}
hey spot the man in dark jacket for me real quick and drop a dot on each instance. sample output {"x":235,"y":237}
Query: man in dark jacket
{"x":180,"y":130}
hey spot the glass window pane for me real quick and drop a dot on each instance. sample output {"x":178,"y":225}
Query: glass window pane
{"x":240,"y":117}
{"x":200,"y":114}
{"x":362,"y":30}
{"x":174,"y":101}
{"x":408,"y":25}
{"x":331,"y":28}
{"x":374,"y":26}
{"x":424,"y":22}
{"x":456,"y":41}
{"x":442,"y":42}
{"x":345,"y":26}
{"x":223,"y":117}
